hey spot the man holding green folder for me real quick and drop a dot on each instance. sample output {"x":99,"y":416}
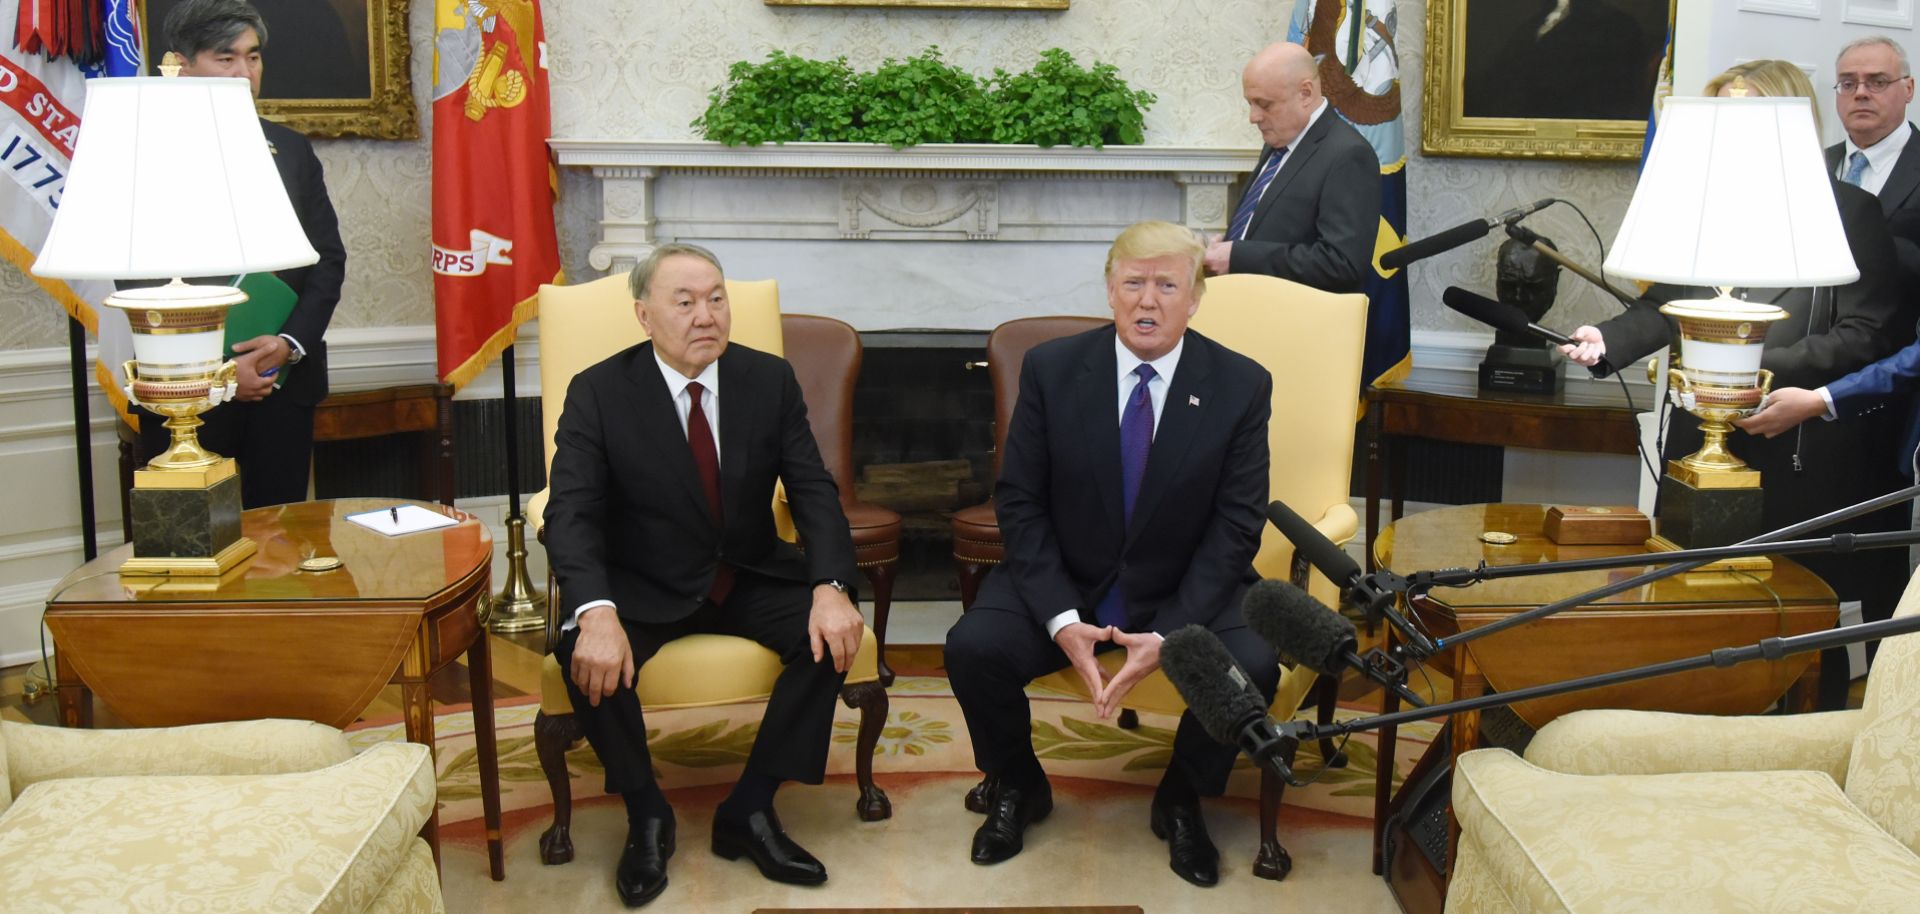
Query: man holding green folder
{"x":277,"y":337}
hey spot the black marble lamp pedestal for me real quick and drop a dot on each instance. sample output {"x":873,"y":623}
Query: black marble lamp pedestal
{"x":1709,"y":511}
{"x":187,"y":522}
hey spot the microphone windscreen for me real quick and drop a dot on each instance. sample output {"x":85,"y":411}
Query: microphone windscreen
{"x":1496,"y":314}
{"x":1427,"y":247}
{"x":1302,"y":629}
{"x":1216,"y":690}
{"x":1314,"y":546}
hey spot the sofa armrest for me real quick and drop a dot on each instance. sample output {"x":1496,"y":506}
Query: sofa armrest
{"x":1657,"y":742}
{"x":37,"y":753}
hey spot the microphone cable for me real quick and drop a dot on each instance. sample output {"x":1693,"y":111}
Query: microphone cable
{"x":1661,"y":409}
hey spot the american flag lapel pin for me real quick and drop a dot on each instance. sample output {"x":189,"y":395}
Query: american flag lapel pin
{"x":1193,"y":400}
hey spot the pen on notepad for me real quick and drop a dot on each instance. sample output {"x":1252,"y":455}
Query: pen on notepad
{"x":395,"y":514}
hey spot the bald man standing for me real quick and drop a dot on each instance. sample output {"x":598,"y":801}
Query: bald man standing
{"x":1311,"y":211}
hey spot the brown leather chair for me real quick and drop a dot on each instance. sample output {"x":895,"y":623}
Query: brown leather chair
{"x":825,"y":354}
{"x":976,"y":531}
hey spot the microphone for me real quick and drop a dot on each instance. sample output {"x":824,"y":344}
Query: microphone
{"x":1375,"y":593}
{"x":1458,"y":235}
{"x":1500,"y":315}
{"x":1222,"y":698}
{"x":1306,"y":632}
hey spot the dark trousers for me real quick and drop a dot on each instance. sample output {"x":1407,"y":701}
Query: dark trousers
{"x":993,"y":653}
{"x":798,"y":721}
{"x":272,"y":439}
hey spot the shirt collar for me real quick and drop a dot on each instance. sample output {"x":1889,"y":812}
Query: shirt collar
{"x":1880,"y":155}
{"x":709,"y":377}
{"x":1163,"y":367}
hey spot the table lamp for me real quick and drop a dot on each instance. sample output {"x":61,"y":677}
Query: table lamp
{"x":173,"y":177}
{"x":1734,"y":193}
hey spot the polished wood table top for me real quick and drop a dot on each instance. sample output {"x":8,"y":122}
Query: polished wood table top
{"x":1450,"y":406}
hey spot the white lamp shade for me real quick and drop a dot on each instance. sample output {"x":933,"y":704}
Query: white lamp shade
{"x":171,"y":177}
{"x":1735,"y":193}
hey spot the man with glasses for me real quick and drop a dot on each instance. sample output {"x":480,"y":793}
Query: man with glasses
{"x":1872,"y":89}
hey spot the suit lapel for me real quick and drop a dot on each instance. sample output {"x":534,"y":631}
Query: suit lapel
{"x":1188,"y":399}
{"x":737,"y":419}
{"x":660,"y":420}
{"x":1096,"y":399}
{"x":1905,"y":177}
{"x":1303,"y":150}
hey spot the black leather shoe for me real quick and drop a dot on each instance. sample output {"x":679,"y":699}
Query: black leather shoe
{"x":1009,"y":811}
{"x":1190,"y":853}
{"x":642,"y":874}
{"x":762,"y":838}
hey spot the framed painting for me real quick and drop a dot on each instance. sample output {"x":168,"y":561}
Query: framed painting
{"x":935,"y":4}
{"x":332,"y":67}
{"x":1541,"y":78}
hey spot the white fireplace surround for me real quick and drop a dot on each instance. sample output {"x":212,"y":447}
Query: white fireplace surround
{"x":958,"y":237}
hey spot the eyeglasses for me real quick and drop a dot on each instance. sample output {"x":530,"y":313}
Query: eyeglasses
{"x":1874,"y":85}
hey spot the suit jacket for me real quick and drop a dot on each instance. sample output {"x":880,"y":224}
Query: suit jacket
{"x":1187,"y":556}
{"x":1319,"y":219}
{"x":1899,"y":201}
{"x":627,"y":518}
{"x":1821,"y":465}
{"x":318,"y":285}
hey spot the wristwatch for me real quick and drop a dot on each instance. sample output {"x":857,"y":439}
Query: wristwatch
{"x":834,"y":583}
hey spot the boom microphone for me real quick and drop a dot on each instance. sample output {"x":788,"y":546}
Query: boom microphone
{"x":1223,"y":700}
{"x":1458,"y":235}
{"x":1302,"y":629}
{"x":1500,"y":315}
{"x":1373,"y":593}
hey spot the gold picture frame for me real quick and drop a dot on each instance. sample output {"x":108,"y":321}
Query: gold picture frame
{"x":1499,"y":100}
{"x":385,"y":112}
{"x":935,"y":4}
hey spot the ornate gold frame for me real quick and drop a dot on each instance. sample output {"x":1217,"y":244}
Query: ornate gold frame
{"x":935,"y":4}
{"x":386,"y":113}
{"x":1445,"y":131}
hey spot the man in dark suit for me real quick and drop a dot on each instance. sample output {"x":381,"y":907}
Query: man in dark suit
{"x":1130,"y":497}
{"x":268,"y":430}
{"x":1311,"y":211}
{"x":1872,"y":88}
{"x":660,"y":525}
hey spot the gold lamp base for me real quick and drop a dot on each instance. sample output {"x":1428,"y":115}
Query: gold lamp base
{"x":518,"y":607}
{"x":193,"y":566}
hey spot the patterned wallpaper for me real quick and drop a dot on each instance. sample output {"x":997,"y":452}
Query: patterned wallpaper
{"x":643,"y":68}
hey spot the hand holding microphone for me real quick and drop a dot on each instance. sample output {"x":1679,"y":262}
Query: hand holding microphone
{"x":1587,"y":347}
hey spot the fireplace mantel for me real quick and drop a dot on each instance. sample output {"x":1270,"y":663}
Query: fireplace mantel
{"x":947,"y":236}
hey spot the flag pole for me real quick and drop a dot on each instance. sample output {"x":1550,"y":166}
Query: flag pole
{"x":518,"y":607}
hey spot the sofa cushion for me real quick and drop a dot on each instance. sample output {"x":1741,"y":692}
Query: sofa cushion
{"x":315,"y":841}
{"x":6,"y":788}
{"x":1697,"y":842}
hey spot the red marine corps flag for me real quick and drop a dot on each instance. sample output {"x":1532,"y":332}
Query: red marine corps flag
{"x":493,"y":181}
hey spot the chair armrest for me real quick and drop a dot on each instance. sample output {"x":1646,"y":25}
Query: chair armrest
{"x":1340,"y":524}
{"x":1657,"y":742}
{"x":37,"y":753}
{"x":537,"y":512}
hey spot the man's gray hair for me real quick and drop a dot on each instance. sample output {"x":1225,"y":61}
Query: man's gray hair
{"x":642,"y":275}
{"x":196,"y":26}
{"x":1870,"y":41}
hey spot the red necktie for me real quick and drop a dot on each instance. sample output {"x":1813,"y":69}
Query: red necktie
{"x":706,"y":460}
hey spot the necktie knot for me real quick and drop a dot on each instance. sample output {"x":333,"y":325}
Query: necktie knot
{"x":1145,"y":372}
{"x":694,"y":390}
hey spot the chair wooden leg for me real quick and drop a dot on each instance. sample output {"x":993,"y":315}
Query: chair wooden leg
{"x":881,"y":577}
{"x":870,"y":699}
{"x":970,"y":574}
{"x":981,"y":794}
{"x":552,"y":736}
{"x":1329,"y":688}
{"x":1129,"y":719}
{"x":1273,"y":861}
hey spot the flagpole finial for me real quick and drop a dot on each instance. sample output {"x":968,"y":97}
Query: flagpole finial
{"x":171,"y":63}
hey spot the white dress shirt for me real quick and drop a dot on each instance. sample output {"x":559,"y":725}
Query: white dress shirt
{"x":709,"y":379}
{"x":1125,"y":362}
{"x":1292,"y":146}
{"x":1880,"y":159}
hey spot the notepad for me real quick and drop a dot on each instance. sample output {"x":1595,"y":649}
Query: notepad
{"x":402,"y":520}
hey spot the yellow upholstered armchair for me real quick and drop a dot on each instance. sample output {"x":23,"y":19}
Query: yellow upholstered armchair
{"x":580,"y":326}
{"x":1649,"y":811}
{"x":266,"y":815}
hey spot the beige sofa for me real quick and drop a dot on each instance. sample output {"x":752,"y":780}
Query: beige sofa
{"x":1644,"y":811}
{"x":270,"y":815}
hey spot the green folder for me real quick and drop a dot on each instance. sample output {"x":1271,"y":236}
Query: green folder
{"x":265,"y":311}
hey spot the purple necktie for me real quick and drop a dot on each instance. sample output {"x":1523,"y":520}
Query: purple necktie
{"x":1250,"y":201}
{"x":1136,"y":441}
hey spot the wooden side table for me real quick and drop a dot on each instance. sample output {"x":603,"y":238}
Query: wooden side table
{"x":1678,"y":617}
{"x":1449,"y":406}
{"x":268,"y":640}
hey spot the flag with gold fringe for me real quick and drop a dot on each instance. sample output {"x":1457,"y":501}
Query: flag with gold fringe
{"x":1360,"y":75}
{"x":493,"y":179}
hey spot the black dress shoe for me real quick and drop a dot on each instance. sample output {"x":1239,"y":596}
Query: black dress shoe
{"x":1190,"y":853}
{"x":1009,"y":811}
{"x":762,"y":838}
{"x":642,"y":874}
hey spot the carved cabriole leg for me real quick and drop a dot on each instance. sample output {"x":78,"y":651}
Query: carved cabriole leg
{"x":970,"y":574}
{"x":552,"y":737}
{"x":882,"y":578}
{"x":1329,"y":688}
{"x":1129,"y":719}
{"x":1273,"y":861}
{"x":870,"y":699}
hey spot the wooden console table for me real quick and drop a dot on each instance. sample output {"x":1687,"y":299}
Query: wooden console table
{"x":1446,"y":405}
{"x":1670,"y":619}
{"x":268,"y":640}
